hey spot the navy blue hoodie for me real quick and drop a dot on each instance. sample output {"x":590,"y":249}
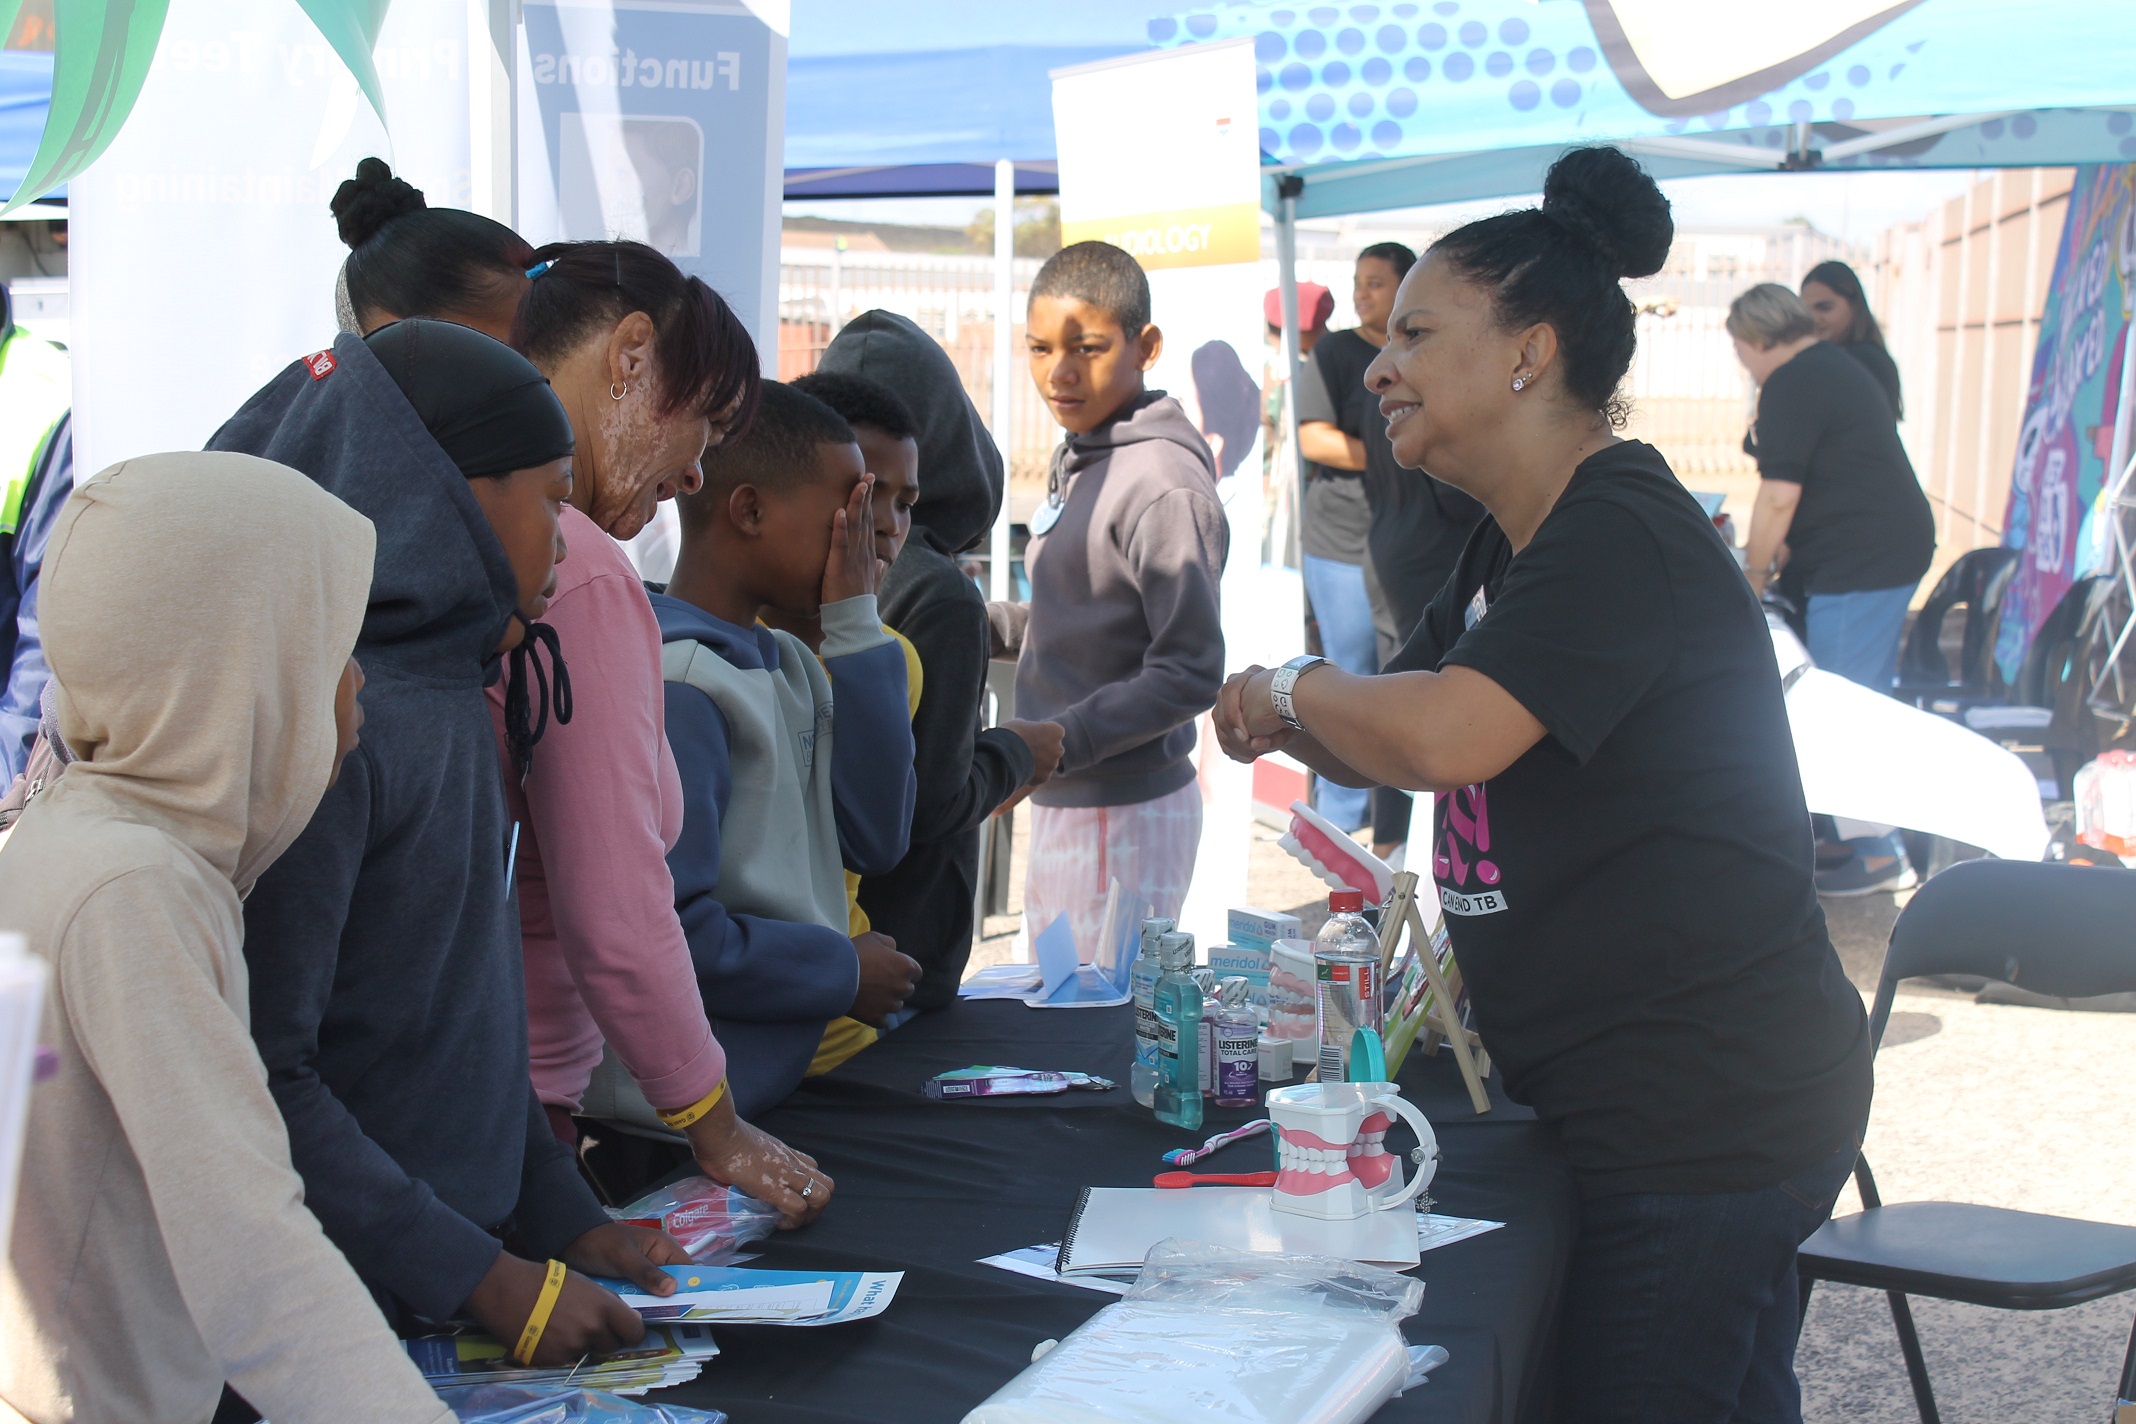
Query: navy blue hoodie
{"x":387,"y":995}
{"x":770,"y":986}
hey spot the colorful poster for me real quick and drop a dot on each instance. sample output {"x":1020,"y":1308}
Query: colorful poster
{"x":2070,"y":408}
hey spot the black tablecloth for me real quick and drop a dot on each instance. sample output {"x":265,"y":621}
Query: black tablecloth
{"x":928,"y":1188}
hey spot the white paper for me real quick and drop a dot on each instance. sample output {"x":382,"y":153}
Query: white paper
{"x":1435,"y":1231}
{"x":1000,"y":981}
{"x":1037,"y":1262}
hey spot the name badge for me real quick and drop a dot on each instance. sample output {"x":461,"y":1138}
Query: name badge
{"x":1045,"y":516}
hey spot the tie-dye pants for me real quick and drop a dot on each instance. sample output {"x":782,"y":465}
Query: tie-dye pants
{"x":1077,"y":851}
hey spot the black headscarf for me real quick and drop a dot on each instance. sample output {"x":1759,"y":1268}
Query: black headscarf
{"x":492,"y":413}
{"x":483,"y":402}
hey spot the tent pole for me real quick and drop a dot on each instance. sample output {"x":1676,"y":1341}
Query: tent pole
{"x":1004,"y":332}
{"x":1288,"y":187}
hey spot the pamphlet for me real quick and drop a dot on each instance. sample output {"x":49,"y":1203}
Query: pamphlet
{"x":727,"y":1295}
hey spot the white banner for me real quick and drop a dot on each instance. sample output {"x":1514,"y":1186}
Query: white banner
{"x":202,"y":254}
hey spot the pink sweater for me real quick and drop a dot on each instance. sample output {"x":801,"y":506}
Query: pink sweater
{"x":605,"y":956}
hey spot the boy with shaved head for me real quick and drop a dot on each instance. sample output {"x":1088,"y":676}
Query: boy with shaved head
{"x":1120,"y":642}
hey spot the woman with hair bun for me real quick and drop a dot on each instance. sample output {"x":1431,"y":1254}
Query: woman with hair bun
{"x":1622,"y":849}
{"x":407,"y":258}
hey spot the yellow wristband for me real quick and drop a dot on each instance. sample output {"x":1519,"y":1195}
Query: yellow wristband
{"x":683,"y":1117}
{"x":552,"y":1286}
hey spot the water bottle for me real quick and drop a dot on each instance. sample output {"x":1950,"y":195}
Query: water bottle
{"x":1238,"y":1053}
{"x":1178,"y":1005}
{"x":1346,"y":990}
{"x":1142,"y":1077}
{"x":1206,"y":977}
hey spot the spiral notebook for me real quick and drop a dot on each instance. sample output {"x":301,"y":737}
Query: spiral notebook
{"x":1113,"y":1228}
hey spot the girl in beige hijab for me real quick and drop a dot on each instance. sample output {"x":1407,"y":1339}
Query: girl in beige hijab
{"x":199,"y":612}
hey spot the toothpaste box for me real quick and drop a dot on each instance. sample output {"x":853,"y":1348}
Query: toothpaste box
{"x":1253,"y":934}
{"x":1260,"y":928}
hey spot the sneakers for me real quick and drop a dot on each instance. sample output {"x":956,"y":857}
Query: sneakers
{"x":1878,"y":866}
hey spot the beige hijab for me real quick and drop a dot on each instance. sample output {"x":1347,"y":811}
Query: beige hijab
{"x":197,"y":611}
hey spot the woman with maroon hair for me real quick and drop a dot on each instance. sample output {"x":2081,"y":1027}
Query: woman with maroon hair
{"x":653,"y":368}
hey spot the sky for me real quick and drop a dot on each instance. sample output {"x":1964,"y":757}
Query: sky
{"x":1852,"y":206}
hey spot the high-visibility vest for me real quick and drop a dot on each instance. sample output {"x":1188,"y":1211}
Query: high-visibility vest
{"x":36,"y":388}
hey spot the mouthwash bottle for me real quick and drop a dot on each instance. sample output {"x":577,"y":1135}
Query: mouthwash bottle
{"x":1177,"y":1002}
{"x":1142,"y":1078}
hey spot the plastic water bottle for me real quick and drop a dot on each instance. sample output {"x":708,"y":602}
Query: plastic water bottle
{"x":1178,"y":1004}
{"x":1206,"y":977}
{"x":1346,"y":971}
{"x":1142,"y":1077}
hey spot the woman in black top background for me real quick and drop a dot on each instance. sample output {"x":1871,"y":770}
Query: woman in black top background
{"x":1622,"y":848}
{"x":1416,"y":525}
{"x":1840,"y":310}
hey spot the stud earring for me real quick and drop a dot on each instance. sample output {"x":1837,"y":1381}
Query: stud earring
{"x":1519,"y":382}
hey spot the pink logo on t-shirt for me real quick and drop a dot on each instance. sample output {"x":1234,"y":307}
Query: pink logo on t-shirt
{"x":1467,"y":838}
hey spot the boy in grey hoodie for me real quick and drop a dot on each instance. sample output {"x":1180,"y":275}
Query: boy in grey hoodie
{"x":1120,"y":642}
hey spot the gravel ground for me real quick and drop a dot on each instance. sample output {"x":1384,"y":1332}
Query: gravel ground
{"x":2013,"y":1107}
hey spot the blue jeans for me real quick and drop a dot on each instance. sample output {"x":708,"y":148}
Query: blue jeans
{"x":1344,"y":612}
{"x":1857,"y":634}
{"x":1681,"y":1308}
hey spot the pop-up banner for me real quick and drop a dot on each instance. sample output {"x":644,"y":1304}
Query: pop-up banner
{"x":662,"y":121}
{"x":1159,"y":155}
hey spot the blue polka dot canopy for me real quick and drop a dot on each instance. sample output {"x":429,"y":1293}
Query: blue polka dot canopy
{"x":1706,"y":87}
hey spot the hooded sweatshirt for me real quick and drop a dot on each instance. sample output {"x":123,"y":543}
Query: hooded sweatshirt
{"x":1120,"y":642}
{"x":387,"y":997}
{"x":160,"y":1242}
{"x":963,"y":770}
{"x":783,"y":787}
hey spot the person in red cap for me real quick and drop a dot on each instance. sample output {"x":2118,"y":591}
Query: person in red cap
{"x":1315,"y":305}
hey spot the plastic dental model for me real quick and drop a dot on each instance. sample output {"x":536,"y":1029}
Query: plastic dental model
{"x":1332,"y":1158}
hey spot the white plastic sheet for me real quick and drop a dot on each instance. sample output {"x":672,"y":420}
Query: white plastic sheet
{"x":1208,"y":1333}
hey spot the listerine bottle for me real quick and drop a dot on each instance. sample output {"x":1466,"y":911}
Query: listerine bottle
{"x":1142,"y":1078}
{"x":1177,"y":1002}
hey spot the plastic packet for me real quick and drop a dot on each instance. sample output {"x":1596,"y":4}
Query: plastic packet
{"x":562,"y":1404}
{"x":985,"y":1082}
{"x":1212,"y":1333}
{"x":711,"y":1222}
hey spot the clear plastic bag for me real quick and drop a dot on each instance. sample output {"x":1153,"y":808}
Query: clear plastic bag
{"x":1211,"y":1333}
{"x":713,"y":1223}
{"x":562,"y":1404}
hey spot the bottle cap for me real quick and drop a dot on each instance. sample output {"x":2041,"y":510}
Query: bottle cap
{"x":1234,"y":992}
{"x":1175,"y":949}
{"x":1341,"y":900}
{"x":1155,"y":926}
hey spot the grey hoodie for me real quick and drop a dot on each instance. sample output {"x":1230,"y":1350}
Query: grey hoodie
{"x":963,"y":771}
{"x":1121,"y":642}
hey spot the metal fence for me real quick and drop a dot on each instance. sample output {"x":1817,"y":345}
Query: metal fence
{"x":1689,"y":395}
{"x":951,"y":298}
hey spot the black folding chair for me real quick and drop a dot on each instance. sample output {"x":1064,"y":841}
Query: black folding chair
{"x":2063,"y":930}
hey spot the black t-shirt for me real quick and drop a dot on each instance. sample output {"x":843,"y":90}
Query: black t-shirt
{"x":1877,"y":362}
{"x":1335,"y":516}
{"x":1418,"y":525}
{"x":1631,"y":901}
{"x":1863,"y":523}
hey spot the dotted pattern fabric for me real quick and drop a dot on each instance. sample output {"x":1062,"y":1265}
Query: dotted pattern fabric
{"x":1354,"y":82}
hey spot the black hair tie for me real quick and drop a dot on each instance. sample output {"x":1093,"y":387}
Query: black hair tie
{"x":527,"y":717}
